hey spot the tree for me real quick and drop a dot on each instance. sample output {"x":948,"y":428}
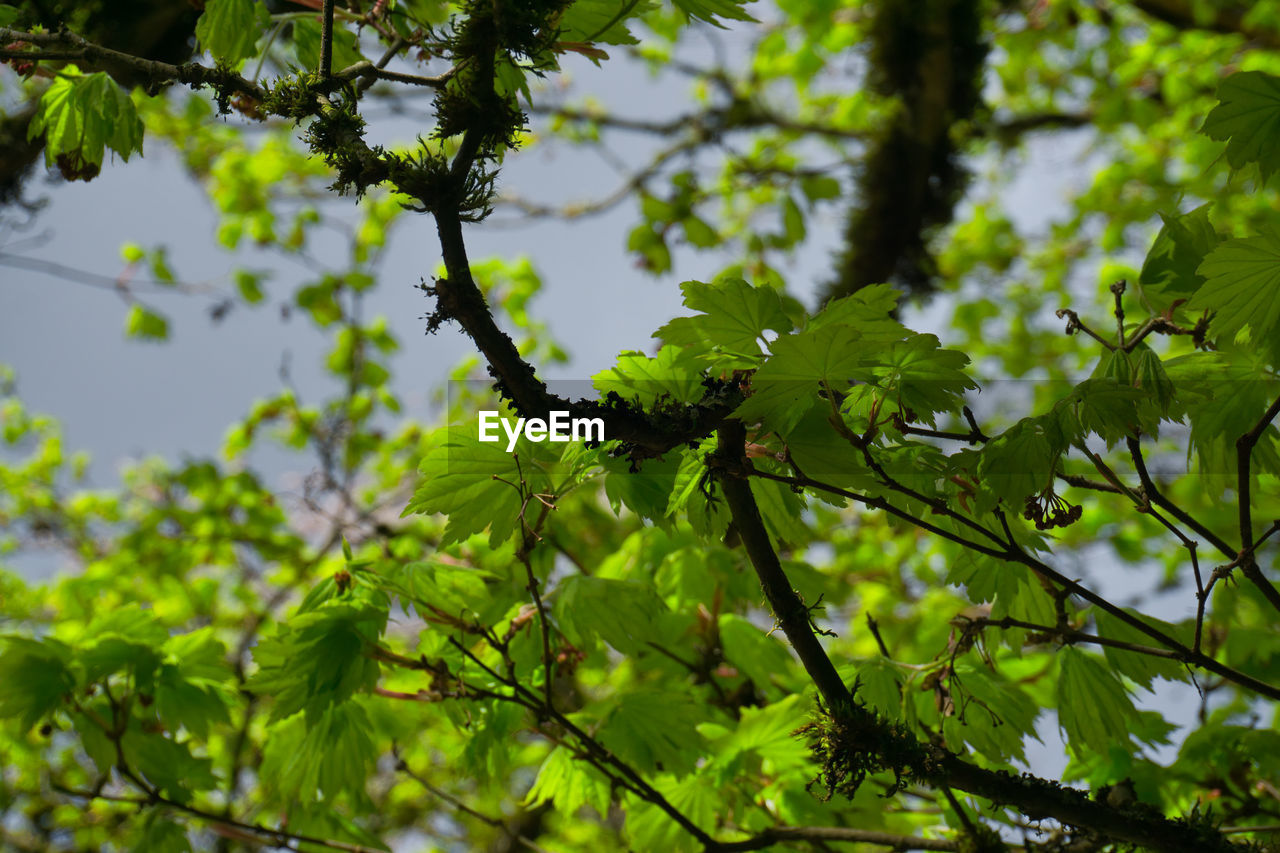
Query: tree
{"x":806,"y":593}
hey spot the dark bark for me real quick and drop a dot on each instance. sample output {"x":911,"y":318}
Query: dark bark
{"x":930,"y":58}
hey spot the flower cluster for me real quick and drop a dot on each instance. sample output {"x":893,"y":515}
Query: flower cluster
{"x":1048,"y":510}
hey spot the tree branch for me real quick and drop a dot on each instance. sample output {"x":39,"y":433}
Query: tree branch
{"x":773,"y":836}
{"x":788,"y":608}
{"x":932,"y":764}
{"x":326,"y":38}
{"x":1244,"y":453}
{"x":1222,"y":18}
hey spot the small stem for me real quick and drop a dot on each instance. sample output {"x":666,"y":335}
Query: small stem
{"x":326,"y":39}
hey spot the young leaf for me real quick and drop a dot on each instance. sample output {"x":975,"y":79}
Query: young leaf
{"x":672,"y":376}
{"x":869,"y":310}
{"x":318,"y":659}
{"x":1169,"y":276}
{"x":648,"y":492}
{"x":921,"y":377}
{"x":569,"y":784}
{"x":655,"y":728}
{"x":1242,"y":288}
{"x":648,"y":827}
{"x":993,"y":714}
{"x":459,"y":480}
{"x":168,"y":765}
{"x":734,"y":319}
{"x":146,"y":324}
{"x":1246,"y":117}
{"x":1142,"y":669}
{"x":710,"y":10}
{"x":601,"y":21}
{"x":34,"y":678}
{"x":757,"y":655}
{"x":1093,"y":707}
{"x":158,"y":834}
{"x":81,"y":116}
{"x":787,"y":386}
{"x":229,"y":29}
{"x":622,"y":613}
{"x":1019,"y":462}
{"x":331,"y":756}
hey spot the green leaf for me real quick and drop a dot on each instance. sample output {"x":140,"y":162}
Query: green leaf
{"x":1248,"y":118}
{"x":458,"y":480}
{"x":648,"y":492}
{"x":699,"y":233}
{"x":786,"y":387}
{"x":648,"y":827}
{"x":654,"y":729}
{"x":83,"y":115}
{"x":673,"y":376}
{"x":436,"y":586}
{"x":1169,"y":276}
{"x":734,"y":319}
{"x":229,"y":29}
{"x":570,"y":783}
{"x":492,"y":726}
{"x":1021,"y":595}
{"x":921,"y":377}
{"x":879,"y":686}
{"x":1109,"y":404}
{"x":8,"y":14}
{"x":781,"y":510}
{"x":329,"y":757}
{"x":132,"y":622}
{"x":318,"y":659}
{"x":157,"y":834}
{"x":710,"y":10}
{"x":624,"y":614}
{"x":993,"y":715}
{"x":1242,"y":288}
{"x":146,"y":324}
{"x":769,"y":732}
{"x":34,"y":678}
{"x":1225,"y":393}
{"x":603,"y":21}
{"x":759,"y":656}
{"x":1019,"y":462}
{"x":1143,"y":669}
{"x":1093,"y":707}
{"x":792,"y":221}
{"x":168,"y":765}
{"x":868,"y":310}
{"x":819,"y":187}
{"x":824,"y":454}
{"x":182,"y":700}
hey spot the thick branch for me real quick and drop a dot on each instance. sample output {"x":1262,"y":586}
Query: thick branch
{"x":1188,"y":15}
{"x":787,"y":606}
{"x":1035,"y":798}
{"x":114,"y":61}
{"x":770,"y":837}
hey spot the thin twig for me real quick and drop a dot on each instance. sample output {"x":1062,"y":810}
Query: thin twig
{"x":326,"y":39}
